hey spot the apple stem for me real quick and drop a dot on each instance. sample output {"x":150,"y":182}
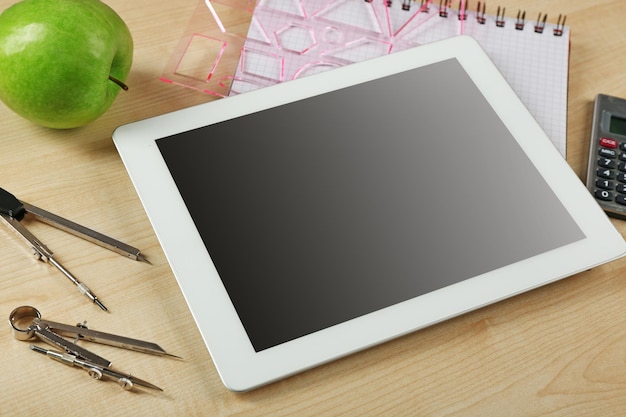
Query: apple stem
{"x":118,"y":82}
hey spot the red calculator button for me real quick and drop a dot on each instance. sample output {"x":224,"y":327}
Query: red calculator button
{"x":608,"y":143}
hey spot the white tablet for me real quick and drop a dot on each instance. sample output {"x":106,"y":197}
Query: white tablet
{"x":311,"y":219}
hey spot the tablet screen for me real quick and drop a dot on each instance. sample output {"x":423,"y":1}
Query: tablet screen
{"x":342,"y":204}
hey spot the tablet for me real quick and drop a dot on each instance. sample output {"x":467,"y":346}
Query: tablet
{"x":318,"y":217}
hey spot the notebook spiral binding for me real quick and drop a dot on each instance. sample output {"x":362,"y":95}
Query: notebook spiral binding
{"x":520,"y":21}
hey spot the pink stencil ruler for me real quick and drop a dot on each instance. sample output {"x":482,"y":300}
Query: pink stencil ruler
{"x":283,"y":40}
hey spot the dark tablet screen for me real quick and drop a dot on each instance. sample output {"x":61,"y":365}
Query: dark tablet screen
{"x":335,"y":206}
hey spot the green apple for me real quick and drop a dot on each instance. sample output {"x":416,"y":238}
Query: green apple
{"x":62,"y":62}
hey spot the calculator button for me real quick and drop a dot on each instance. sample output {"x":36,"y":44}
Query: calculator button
{"x":621,"y":188}
{"x":622,"y":146}
{"x":611,"y":153}
{"x":608,"y":143}
{"x":604,"y":195}
{"x":609,"y":163}
{"x":606,"y":173}
{"x":622,"y":156}
{"x":621,"y":177}
{"x":621,"y":199}
{"x":607,"y":185}
{"x":622,"y":167}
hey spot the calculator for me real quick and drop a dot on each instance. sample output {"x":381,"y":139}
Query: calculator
{"x":606,"y":171}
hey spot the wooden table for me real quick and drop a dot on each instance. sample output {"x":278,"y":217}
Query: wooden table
{"x":559,"y":350}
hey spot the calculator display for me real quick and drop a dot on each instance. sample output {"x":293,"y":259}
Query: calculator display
{"x":617,"y":125}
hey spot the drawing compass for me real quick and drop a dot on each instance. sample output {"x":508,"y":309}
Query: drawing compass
{"x":12,"y":211}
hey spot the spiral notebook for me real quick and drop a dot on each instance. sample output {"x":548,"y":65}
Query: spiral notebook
{"x":288,"y":39}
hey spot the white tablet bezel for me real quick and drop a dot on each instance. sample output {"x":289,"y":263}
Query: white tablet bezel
{"x":240,"y":367}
